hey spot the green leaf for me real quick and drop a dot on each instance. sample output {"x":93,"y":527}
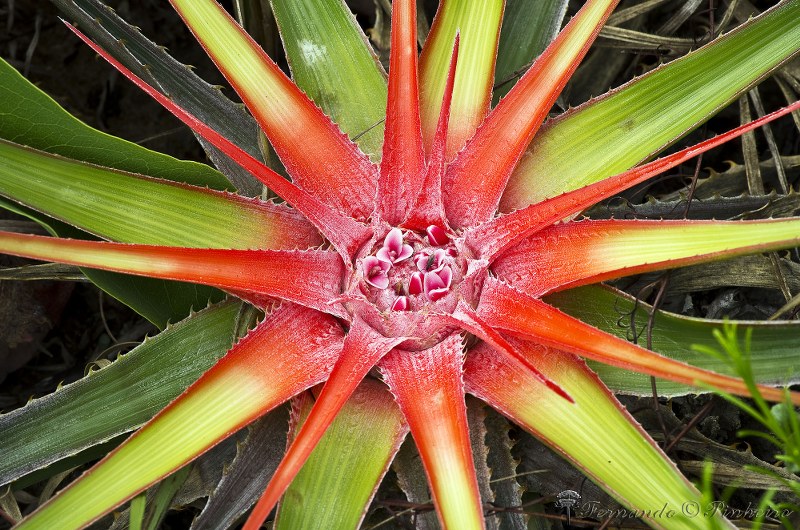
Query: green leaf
{"x":203,"y":476}
{"x":159,"y":301}
{"x":46,"y":271}
{"x":90,"y":454}
{"x":135,"y":209}
{"x":136,"y":514}
{"x":152,"y":63}
{"x":774,"y":346}
{"x":629,"y":125}
{"x":594,"y":431}
{"x":503,"y":464}
{"x":164,"y":496}
{"x":334,"y":487}
{"x":478,"y":24}
{"x":30,"y":117}
{"x":332,"y":61}
{"x":131,"y":208}
{"x":607,"y":249}
{"x":248,"y":474}
{"x":115,"y":399}
{"x":289,"y":351}
{"x":121,"y":206}
{"x":528,"y":27}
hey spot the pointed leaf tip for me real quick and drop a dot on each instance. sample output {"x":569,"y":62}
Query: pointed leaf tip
{"x":500,"y":141}
{"x":523,"y":315}
{"x":279,"y":106}
{"x":401,"y":169}
{"x":627,"y":126}
{"x":478,"y":26}
{"x":491,"y":238}
{"x":344,"y":233}
{"x":428,"y":211}
{"x":467,"y":319}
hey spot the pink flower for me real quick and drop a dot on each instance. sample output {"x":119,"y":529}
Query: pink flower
{"x":437,"y":236}
{"x":375,"y":272}
{"x":437,"y":282}
{"x":401,"y":304}
{"x":394,"y":250}
{"x":415,"y":284}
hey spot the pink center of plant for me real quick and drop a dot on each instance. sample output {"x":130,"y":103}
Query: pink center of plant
{"x":410,"y":271}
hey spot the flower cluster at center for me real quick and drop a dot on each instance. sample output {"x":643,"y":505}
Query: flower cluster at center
{"x":408,"y":272}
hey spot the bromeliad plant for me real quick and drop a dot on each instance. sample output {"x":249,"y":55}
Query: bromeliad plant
{"x":426,"y":270}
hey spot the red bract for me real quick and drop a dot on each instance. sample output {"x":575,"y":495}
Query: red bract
{"x":420,"y":264}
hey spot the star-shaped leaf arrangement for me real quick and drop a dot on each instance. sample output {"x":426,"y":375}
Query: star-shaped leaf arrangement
{"x":400,"y":285}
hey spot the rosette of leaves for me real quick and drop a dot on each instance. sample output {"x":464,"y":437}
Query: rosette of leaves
{"x":426,"y":245}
